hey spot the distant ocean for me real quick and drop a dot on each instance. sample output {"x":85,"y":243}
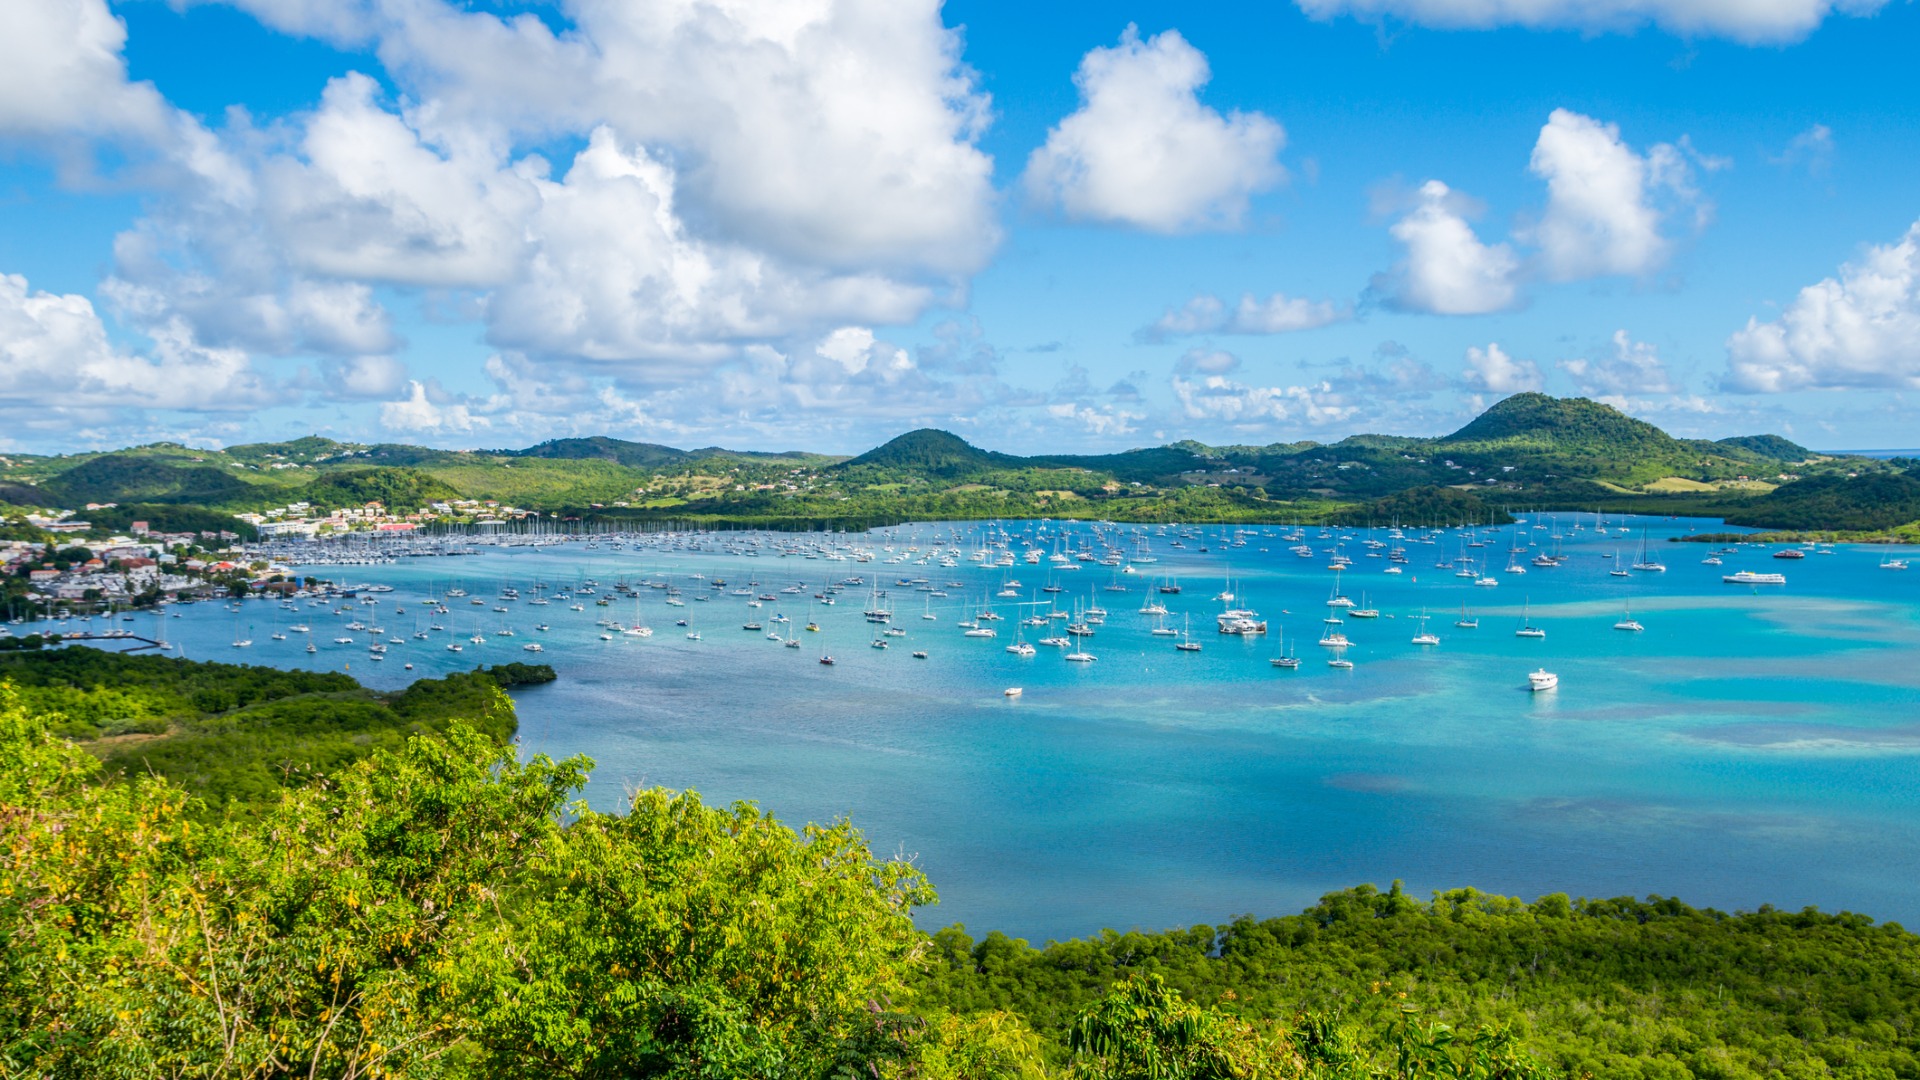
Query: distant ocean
{"x":1875,"y":453}
{"x":1752,"y":745}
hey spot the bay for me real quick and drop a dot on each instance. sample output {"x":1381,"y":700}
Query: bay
{"x":1752,"y":745}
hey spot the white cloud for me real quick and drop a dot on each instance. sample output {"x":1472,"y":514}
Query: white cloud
{"x":1104,"y":420}
{"x":1143,"y":151}
{"x":1277,"y":314}
{"x":54,"y":350}
{"x":1812,"y":150}
{"x":1218,"y":398}
{"x":1447,"y":270}
{"x":374,"y":195}
{"x":420,"y":414}
{"x":1492,"y":370}
{"x":1600,"y":216}
{"x":618,"y":275}
{"x":753,"y":171}
{"x":1206,"y":362}
{"x":1634,"y":368}
{"x":363,"y":377}
{"x":1751,"y":22}
{"x":61,"y":73}
{"x":1859,"y":330}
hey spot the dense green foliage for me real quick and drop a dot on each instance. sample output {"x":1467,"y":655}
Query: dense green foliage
{"x":1612,"y":988}
{"x":1773,"y":447}
{"x":1426,"y":506}
{"x":1868,"y":501}
{"x":144,"y":478}
{"x":404,"y":488}
{"x":238,"y":734}
{"x":168,"y":518}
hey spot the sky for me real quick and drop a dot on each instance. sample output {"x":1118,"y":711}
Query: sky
{"x":815,"y":224}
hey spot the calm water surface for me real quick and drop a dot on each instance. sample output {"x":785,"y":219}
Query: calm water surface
{"x":1752,"y":745}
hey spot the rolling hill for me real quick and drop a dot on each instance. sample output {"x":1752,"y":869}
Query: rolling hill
{"x":1527,"y":450}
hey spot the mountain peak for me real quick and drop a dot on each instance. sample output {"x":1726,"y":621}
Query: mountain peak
{"x":929,"y":450}
{"x":1543,"y":418}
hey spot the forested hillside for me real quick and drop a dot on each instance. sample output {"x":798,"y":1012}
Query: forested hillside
{"x":240,"y":734}
{"x":1528,"y":451}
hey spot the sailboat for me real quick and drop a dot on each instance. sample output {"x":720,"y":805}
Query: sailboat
{"x":1340,"y":659}
{"x":1617,"y":570}
{"x":1627,"y":621}
{"x":1019,"y":646}
{"x":1335,"y":599}
{"x":1286,"y":659}
{"x":1644,"y":562}
{"x":1187,"y":644}
{"x":1423,"y":637}
{"x":1527,"y":629}
{"x":1466,"y":621}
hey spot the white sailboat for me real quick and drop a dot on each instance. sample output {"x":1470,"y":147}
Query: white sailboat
{"x":1627,"y":621}
{"x":1527,"y":629}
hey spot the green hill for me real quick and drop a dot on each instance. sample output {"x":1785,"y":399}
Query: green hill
{"x":932,"y":452}
{"x":1869,"y":501}
{"x":130,"y":477}
{"x":1564,"y":425}
{"x":1772,"y":447}
{"x":602,"y":448}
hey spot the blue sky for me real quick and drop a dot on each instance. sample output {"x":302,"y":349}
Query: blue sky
{"x":817,"y":223}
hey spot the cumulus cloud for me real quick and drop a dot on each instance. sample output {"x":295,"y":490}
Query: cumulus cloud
{"x":1755,"y":22}
{"x":750,"y":173}
{"x":1493,"y":371}
{"x":1447,"y":270}
{"x":1601,"y":216}
{"x":363,"y":377}
{"x":1634,"y":368}
{"x":1143,"y":151}
{"x":429,"y":412}
{"x":660,"y":292}
{"x":1859,"y":329}
{"x":62,"y":73}
{"x":1277,"y":314}
{"x":1096,"y":420}
{"x":1218,"y":398}
{"x":1606,"y":212}
{"x":54,"y":350}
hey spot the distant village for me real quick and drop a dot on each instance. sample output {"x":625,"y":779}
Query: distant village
{"x":301,"y":519}
{"x":146,"y":565}
{"x":142,"y":565}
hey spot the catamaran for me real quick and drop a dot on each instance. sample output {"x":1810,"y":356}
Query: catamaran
{"x":1627,"y":621}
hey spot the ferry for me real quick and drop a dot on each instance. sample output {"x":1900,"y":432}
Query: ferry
{"x":1748,"y":577}
{"x":1542,"y":680}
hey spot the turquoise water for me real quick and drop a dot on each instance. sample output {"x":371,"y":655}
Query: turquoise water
{"x":1753,"y":745}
